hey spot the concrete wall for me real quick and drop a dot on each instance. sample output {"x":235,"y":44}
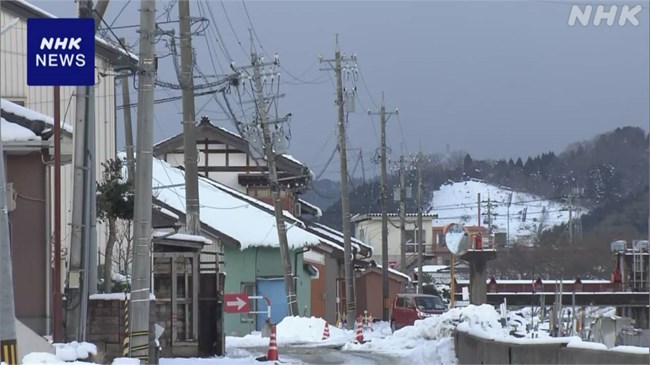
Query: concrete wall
{"x":106,"y":327}
{"x":475,"y":350}
{"x":245,"y":266}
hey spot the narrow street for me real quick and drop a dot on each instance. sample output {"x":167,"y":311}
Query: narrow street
{"x":326,"y":356}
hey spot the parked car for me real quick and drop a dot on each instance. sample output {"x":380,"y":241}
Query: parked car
{"x":407,"y":308}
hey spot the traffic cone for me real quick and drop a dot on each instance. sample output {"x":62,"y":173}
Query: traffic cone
{"x":326,"y":331}
{"x":272,"y":354}
{"x":359,"y":337}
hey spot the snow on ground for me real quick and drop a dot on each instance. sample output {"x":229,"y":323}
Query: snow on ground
{"x":293,"y":330}
{"x":430,"y":340}
{"x":456,"y":202}
{"x":234,"y":356}
{"x":64,"y":353}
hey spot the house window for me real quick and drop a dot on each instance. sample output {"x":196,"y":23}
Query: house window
{"x":19,"y":102}
{"x":249,"y":289}
{"x":412,"y":239}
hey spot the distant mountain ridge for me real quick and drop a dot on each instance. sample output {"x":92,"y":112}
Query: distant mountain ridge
{"x":609,"y":168}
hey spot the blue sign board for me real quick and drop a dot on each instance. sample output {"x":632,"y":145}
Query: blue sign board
{"x":61,"y":52}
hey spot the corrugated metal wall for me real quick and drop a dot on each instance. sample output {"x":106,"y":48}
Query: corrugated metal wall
{"x":13,"y":73}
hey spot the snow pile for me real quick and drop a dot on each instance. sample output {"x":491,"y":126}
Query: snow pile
{"x":74,"y":350}
{"x":125,"y":361}
{"x":37,"y":358}
{"x":294,"y":330}
{"x":430,"y":340}
{"x":577,"y":342}
{"x":119,"y":278}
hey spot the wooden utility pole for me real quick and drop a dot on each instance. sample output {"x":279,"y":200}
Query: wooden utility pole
{"x":384,"y":213}
{"x":348,"y":262}
{"x":192,"y":216}
{"x":57,"y":298}
{"x":128,"y":126}
{"x":262,"y":113}
{"x":420,"y":228}
{"x":402,"y":216}
{"x":141,"y":279}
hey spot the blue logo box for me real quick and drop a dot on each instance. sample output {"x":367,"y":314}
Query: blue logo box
{"x":61,"y":52}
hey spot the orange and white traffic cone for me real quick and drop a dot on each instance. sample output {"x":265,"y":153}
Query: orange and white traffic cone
{"x":272,"y":354}
{"x":359,"y":336}
{"x":326,"y":331}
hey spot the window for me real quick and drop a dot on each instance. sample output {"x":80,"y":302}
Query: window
{"x":412,"y":238}
{"x":19,"y":102}
{"x":249,"y":289}
{"x":399,"y":302}
{"x":409,"y":303}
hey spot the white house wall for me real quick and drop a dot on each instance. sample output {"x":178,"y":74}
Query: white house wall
{"x":372,"y":235}
{"x":228,"y":178}
{"x":13,"y":73}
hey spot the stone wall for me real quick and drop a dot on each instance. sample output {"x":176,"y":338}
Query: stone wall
{"x":106,"y":327}
{"x":472,"y":349}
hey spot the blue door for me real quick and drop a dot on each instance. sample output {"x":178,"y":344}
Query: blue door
{"x":273,"y":289}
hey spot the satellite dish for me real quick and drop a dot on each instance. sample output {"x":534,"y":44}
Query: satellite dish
{"x":457,"y":239}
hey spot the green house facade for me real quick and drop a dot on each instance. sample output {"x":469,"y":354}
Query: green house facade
{"x":258,"y":271}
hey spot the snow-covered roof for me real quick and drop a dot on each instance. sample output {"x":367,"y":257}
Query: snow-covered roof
{"x":167,"y":212}
{"x":12,"y":132}
{"x":396,"y":272}
{"x":432,"y":268}
{"x":98,"y":39}
{"x":13,"y":108}
{"x":319,"y":212}
{"x":547,"y":281}
{"x":245,"y":219}
{"x":339,"y":235}
{"x":181,"y":237}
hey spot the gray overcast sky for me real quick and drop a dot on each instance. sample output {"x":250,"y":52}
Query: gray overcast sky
{"x":497,"y":79}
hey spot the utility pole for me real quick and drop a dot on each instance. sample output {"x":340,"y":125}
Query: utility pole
{"x":348,"y":263}
{"x":420,"y":228}
{"x":402,"y":216}
{"x":262,"y":113}
{"x":192,"y":217}
{"x":571,"y":219}
{"x":128,"y":126}
{"x":8,"y":343}
{"x":57,"y":298}
{"x":140,"y":284}
{"x":82,"y":275}
{"x":384,"y":213}
{"x":508,"y":219}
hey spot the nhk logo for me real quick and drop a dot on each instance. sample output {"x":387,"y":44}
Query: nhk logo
{"x":60,"y":52}
{"x":583,"y":14}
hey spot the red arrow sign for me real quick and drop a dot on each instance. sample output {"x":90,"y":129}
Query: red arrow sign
{"x":236,"y":303}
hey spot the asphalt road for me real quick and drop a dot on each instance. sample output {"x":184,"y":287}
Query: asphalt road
{"x":327,"y":356}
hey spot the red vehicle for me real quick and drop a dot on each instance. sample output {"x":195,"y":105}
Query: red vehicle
{"x":407,"y":308}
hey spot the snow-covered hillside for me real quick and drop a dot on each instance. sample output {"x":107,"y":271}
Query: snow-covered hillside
{"x":458,"y":202}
